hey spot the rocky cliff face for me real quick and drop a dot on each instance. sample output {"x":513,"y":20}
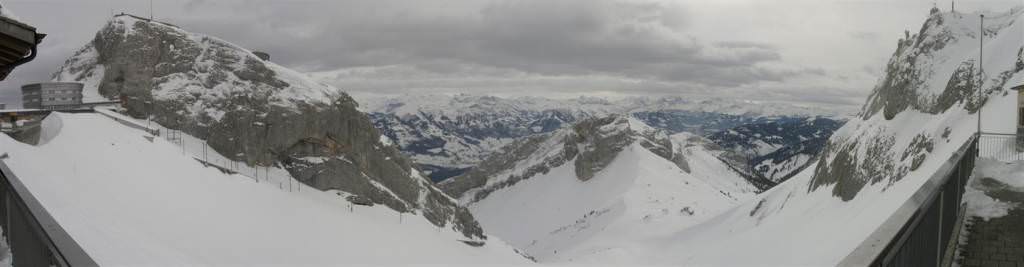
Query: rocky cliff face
{"x":923,"y":101}
{"x":255,"y":111}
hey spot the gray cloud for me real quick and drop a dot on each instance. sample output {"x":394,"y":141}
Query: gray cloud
{"x":743,"y":48}
{"x":561,"y":37}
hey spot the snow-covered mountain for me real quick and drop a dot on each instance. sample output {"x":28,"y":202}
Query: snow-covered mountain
{"x":776,"y":148}
{"x":919,"y":114}
{"x":447,"y":134}
{"x":255,"y":112}
{"x":603,"y":181}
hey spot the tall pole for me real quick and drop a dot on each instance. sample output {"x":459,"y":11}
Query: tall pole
{"x":981,"y":69}
{"x":150,"y":10}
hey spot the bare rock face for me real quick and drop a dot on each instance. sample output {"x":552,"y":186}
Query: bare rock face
{"x":257,"y":112}
{"x":600,"y":141}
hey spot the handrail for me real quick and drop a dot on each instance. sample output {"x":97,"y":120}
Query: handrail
{"x":998,"y":134}
{"x":891,"y":235}
{"x":64,"y":250}
{"x":126,"y":122}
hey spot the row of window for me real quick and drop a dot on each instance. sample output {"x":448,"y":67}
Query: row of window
{"x":53,"y":99}
{"x":52,"y":92}
{"x":56,"y":92}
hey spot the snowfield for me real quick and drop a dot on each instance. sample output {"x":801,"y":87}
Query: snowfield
{"x":621,"y":214}
{"x":133,"y":200}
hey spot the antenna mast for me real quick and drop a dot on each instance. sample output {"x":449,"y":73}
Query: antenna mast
{"x":151,"y":10}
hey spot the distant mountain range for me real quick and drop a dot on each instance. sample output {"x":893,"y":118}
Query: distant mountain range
{"x":448,"y":134}
{"x":776,"y":148}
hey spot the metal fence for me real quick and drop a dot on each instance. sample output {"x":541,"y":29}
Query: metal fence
{"x":1002,"y":147}
{"x":34,"y":237}
{"x":200,"y":151}
{"x":922,"y":232}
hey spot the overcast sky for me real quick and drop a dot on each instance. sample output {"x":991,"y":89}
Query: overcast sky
{"x":820,"y":52}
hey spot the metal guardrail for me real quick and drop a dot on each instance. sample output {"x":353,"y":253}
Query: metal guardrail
{"x":922,"y":231}
{"x":126,"y":121}
{"x":34,"y":237}
{"x":1001,"y":147}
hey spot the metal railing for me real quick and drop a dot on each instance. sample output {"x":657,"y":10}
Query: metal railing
{"x":34,"y":237}
{"x":200,"y":151}
{"x":1001,"y":147}
{"x":922,"y":232}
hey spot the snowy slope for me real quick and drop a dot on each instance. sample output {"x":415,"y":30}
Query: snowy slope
{"x":916,"y":117}
{"x":644,"y":192}
{"x":132,"y":201}
{"x":639,"y":197}
{"x":921,"y":111}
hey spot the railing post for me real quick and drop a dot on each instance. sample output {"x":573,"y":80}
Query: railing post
{"x":3,"y":209}
{"x":938,"y":231}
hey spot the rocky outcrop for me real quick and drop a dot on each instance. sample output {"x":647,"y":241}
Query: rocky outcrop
{"x":256,"y":112}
